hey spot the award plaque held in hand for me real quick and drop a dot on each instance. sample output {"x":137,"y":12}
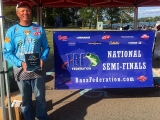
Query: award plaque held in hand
{"x":32,"y":62}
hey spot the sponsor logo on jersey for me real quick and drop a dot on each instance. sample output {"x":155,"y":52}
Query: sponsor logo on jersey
{"x":16,"y":29}
{"x":37,"y":33}
{"x":7,"y":39}
{"x":36,"y":28}
{"x":27,"y":32}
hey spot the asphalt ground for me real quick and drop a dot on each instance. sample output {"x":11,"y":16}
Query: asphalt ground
{"x":100,"y":104}
{"x":103,"y":104}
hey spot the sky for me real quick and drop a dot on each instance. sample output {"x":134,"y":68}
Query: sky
{"x":148,"y":12}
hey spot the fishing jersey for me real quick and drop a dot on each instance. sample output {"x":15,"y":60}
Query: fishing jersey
{"x":22,"y":40}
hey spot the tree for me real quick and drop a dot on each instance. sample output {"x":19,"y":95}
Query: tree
{"x":85,"y":15}
{"x":113,"y":15}
{"x":126,"y":14}
{"x":50,"y":15}
{"x":119,"y":14}
{"x":73,"y":13}
{"x":10,"y":15}
{"x":48,"y":19}
{"x":89,"y":16}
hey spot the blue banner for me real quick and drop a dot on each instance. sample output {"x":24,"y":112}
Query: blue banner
{"x":103,"y":59}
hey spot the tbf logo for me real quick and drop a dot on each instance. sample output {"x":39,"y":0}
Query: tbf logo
{"x":79,"y":60}
{"x":76,"y":60}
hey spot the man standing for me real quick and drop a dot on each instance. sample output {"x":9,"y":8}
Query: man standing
{"x":22,"y":39}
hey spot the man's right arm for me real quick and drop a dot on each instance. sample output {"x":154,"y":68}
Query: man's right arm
{"x":8,"y":50}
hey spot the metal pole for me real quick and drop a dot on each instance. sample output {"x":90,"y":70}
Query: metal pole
{"x":4,"y":63}
{"x":40,"y":15}
{"x":1,"y":68}
{"x":135,"y":17}
{"x":37,"y":8}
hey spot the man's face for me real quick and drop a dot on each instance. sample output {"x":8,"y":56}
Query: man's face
{"x":24,"y":14}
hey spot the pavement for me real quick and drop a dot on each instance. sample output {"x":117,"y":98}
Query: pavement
{"x":101,"y":104}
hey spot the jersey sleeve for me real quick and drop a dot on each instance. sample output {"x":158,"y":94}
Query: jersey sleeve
{"x":45,"y":46}
{"x":9,"y":49}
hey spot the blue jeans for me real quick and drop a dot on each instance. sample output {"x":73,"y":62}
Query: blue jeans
{"x":38,"y":87}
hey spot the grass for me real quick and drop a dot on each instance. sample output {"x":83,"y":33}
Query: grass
{"x":49,"y":35}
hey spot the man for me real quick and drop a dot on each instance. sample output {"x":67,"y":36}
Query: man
{"x":156,"y":48}
{"x":22,"y":39}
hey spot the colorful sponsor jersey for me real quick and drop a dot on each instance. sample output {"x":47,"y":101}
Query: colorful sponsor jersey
{"x":22,"y":40}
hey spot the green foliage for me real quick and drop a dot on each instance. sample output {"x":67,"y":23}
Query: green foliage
{"x":82,"y":16}
{"x":126,"y":13}
{"x":119,"y":14}
{"x":90,"y":16}
{"x":149,"y":19}
{"x":50,"y":15}
{"x":73,"y":13}
{"x":10,"y":12}
{"x":48,"y":18}
{"x":10,"y":15}
{"x":113,"y":15}
{"x":34,"y":14}
{"x":49,"y":35}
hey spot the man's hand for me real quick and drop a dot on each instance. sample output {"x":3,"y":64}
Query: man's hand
{"x":24,"y":67}
{"x":41,"y":63}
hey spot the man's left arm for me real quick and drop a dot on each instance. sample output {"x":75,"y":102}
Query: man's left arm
{"x":45,"y":47}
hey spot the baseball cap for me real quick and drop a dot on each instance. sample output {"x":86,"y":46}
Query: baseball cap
{"x":24,"y":3}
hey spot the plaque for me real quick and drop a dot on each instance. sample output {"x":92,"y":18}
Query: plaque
{"x":32,"y":62}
